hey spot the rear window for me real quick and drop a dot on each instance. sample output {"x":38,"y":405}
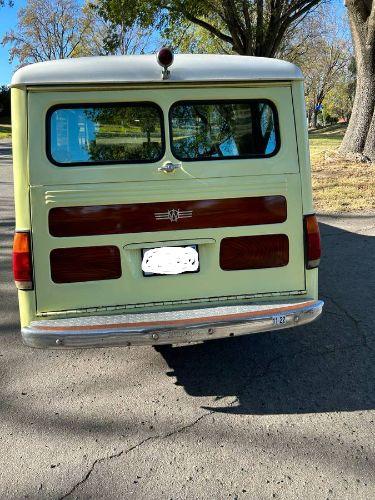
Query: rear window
{"x":214,"y":130}
{"x":88,"y":134}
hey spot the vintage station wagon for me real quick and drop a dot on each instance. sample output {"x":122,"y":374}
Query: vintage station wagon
{"x":161,"y":200}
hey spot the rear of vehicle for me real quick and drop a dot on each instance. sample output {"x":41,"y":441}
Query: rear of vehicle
{"x":161,"y":212}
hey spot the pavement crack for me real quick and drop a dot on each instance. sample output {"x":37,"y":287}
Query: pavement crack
{"x":187,"y":426}
{"x":136,"y":446}
{"x":101,"y":460}
{"x":356,"y":322}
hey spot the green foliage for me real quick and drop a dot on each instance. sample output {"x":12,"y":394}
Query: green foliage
{"x":4,"y":101}
{"x":145,"y":13}
{"x":129,"y":125}
{"x":148,"y":151}
{"x":143,"y":118}
{"x":5,"y":131}
{"x":187,"y":38}
{"x":337,"y":102}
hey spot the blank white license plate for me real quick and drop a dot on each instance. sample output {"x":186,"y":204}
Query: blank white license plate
{"x":170,"y":260}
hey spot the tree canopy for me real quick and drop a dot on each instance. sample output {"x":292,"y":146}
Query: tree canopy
{"x":249,"y":27}
{"x":50,"y":29}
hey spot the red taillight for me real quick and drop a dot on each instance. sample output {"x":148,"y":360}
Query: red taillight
{"x":313,"y":244}
{"x":254,"y":252}
{"x":71,"y":265}
{"x":22,"y":266}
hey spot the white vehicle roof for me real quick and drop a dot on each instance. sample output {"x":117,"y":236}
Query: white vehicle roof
{"x":145,"y":68}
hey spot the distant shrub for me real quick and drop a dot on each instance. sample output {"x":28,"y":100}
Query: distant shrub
{"x":4,"y":101}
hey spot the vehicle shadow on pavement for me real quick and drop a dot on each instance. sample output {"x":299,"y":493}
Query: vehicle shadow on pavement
{"x":325,"y":366}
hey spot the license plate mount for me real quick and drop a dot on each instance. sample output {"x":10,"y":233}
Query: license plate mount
{"x":166,"y":260}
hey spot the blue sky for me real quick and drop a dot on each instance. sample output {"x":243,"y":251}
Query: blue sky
{"x":8,"y":21}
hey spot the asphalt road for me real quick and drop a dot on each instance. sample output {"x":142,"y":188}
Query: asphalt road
{"x":275,"y":415}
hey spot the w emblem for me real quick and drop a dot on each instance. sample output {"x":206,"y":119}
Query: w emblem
{"x":174,"y":215}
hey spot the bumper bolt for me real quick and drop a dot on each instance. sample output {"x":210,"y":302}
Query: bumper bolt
{"x":59,"y":341}
{"x":210,"y":331}
{"x":155,"y":336}
{"x":296,"y":319}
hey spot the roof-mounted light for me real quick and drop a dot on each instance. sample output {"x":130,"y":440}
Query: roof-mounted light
{"x":165,"y":59}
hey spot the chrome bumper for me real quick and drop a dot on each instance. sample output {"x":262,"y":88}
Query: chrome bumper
{"x":169,"y":327}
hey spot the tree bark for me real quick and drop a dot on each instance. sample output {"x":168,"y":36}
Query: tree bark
{"x":369,"y":149}
{"x":309,"y":117}
{"x":359,"y":139}
{"x":363,"y":108}
{"x":314,"y":121}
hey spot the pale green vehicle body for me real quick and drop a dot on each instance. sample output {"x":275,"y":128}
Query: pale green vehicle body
{"x":40,"y":186}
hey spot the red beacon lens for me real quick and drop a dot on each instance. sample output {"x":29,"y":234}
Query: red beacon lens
{"x":165,"y":57}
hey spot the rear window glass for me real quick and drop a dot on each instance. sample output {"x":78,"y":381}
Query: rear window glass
{"x":104,"y":133}
{"x":214,"y":130}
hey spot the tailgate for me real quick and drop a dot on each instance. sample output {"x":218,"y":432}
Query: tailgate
{"x":91,"y":224}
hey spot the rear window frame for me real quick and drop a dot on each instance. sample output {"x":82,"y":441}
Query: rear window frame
{"x":271,"y":104}
{"x":119,"y":104}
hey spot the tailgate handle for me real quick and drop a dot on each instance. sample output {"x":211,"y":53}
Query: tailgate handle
{"x":169,"y":167}
{"x":171,"y":243}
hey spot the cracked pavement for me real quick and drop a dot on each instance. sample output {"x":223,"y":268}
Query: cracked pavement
{"x":286,"y":414}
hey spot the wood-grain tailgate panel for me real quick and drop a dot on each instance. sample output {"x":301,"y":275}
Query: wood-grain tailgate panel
{"x":166,"y":216}
{"x":77,"y":264}
{"x":254,"y":252}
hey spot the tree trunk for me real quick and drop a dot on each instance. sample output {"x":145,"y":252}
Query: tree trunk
{"x":314,"y":121}
{"x":359,"y":139}
{"x":309,"y":117}
{"x":363,"y":109}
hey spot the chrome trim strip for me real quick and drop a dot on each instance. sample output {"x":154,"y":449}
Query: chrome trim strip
{"x":156,"y":335}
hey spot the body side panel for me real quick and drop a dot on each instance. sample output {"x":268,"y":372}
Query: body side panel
{"x":21,"y":187}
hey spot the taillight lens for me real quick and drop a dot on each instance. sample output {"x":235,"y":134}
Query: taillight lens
{"x":22,"y":266}
{"x":313,"y":243}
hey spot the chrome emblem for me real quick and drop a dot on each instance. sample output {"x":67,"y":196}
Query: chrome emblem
{"x":174,"y":215}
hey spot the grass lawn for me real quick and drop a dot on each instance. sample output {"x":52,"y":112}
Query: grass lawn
{"x":339,"y":185}
{"x":5,"y":131}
